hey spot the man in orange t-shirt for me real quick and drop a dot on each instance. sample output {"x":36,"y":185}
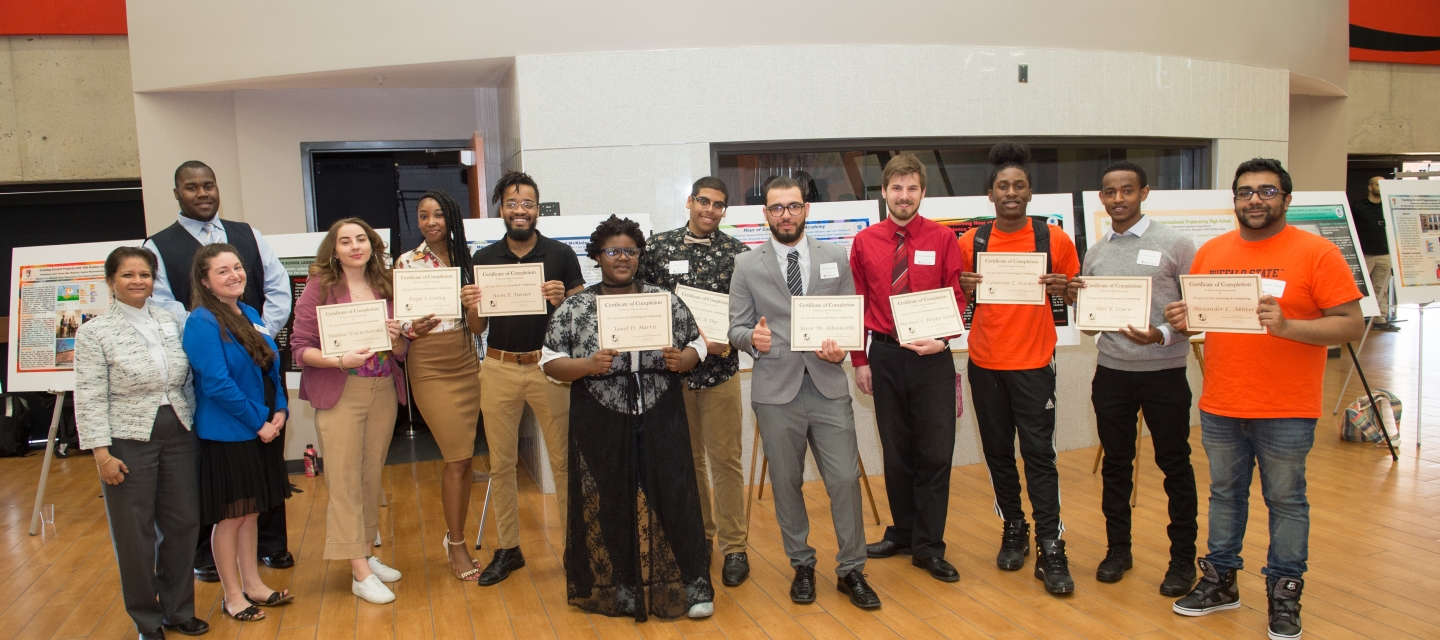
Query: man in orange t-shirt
{"x":1012,"y":373}
{"x":1262,"y":392}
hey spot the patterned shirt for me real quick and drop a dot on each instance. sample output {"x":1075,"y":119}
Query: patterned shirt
{"x":424,"y":258}
{"x":668,"y":261}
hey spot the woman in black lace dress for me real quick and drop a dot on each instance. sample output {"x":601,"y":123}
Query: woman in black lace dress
{"x":635,"y":545}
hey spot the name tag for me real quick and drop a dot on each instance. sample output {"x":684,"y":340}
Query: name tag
{"x":261,"y":329}
{"x":679,"y":267}
{"x":1272,"y":287}
{"x":170,"y":329}
{"x":925,"y":257}
{"x":1148,"y":257}
{"x":829,"y":270}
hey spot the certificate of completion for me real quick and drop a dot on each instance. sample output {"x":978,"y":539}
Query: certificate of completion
{"x":635,"y":322}
{"x":355,"y":325}
{"x":814,"y":319}
{"x":1110,"y":304}
{"x":711,"y":311}
{"x":421,"y":292}
{"x":511,"y":289}
{"x":1010,"y":278}
{"x":1223,"y":304}
{"x":927,"y":314}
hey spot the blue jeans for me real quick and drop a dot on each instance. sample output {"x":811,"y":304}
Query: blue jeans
{"x":1280,"y":445}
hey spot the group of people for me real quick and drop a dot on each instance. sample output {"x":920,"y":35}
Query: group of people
{"x":645,"y":446}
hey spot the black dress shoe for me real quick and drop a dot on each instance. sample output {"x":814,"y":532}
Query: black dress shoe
{"x":207,"y":574}
{"x":861,"y":595}
{"x":191,"y":627}
{"x":505,"y":561}
{"x":282,"y":560}
{"x":802,"y":588}
{"x":737,"y":568}
{"x":885,"y":549}
{"x":938,"y":568}
{"x":158,"y":634}
{"x":1117,"y":561}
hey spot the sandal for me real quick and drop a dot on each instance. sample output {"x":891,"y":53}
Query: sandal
{"x":467,"y":576}
{"x":248,"y":614}
{"x":276,"y":599}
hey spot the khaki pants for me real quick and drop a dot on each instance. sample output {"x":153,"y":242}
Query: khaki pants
{"x":505,"y":388}
{"x":354,"y":438}
{"x":1379,"y":267}
{"x":714,"y":416}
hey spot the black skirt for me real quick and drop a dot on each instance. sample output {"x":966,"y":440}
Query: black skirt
{"x":241,"y":478}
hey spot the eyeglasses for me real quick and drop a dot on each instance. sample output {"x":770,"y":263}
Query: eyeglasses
{"x":793,"y":209}
{"x":511,"y":205}
{"x":1265,"y":193}
{"x":615,"y":252}
{"x":706,"y":203}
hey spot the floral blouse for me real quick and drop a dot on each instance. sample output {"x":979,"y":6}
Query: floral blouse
{"x":573,"y":332}
{"x":424,"y":258}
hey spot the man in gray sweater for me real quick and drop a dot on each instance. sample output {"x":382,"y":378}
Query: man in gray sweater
{"x":1142,"y":370}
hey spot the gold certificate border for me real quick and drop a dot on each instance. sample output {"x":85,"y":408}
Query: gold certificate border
{"x":954,"y":308}
{"x":858,"y":343}
{"x":411,"y":274}
{"x":982,"y":298}
{"x":1190,"y":318}
{"x":1084,"y":326}
{"x":493,"y":267}
{"x":321,"y":313}
{"x":724,"y":339}
{"x":669,"y":321}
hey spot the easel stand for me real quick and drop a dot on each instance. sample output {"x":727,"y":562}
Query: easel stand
{"x":1420,"y":382}
{"x":1374,"y":408}
{"x":49,"y":455}
{"x":1341,"y":399}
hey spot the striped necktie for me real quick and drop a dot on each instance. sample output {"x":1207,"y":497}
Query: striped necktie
{"x":211,"y":236}
{"x":900,"y":272}
{"x":792,"y":273}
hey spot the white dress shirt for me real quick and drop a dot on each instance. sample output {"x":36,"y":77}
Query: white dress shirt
{"x":276,"y":286}
{"x":782,"y":253}
{"x":149,"y":331}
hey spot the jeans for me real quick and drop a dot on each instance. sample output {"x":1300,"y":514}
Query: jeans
{"x":1279,"y":445}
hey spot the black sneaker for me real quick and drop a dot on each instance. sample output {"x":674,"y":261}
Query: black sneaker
{"x":1014,"y":545}
{"x":1179,"y":578}
{"x":1053,"y":567}
{"x":1284,"y":607}
{"x":1117,"y":561}
{"x":505,"y":561}
{"x":1216,"y":592}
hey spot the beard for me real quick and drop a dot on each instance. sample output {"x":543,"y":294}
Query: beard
{"x":1271,"y":215}
{"x":520,"y":235}
{"x":788,"y":238}
{"x":897,"y":214}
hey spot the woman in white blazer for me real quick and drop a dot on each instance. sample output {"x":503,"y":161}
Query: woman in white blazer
{"x":135,"y":409}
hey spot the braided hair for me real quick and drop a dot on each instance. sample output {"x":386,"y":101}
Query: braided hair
{"x":455,"y":241}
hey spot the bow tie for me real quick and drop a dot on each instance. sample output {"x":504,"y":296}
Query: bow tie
{"x":689,"y":239}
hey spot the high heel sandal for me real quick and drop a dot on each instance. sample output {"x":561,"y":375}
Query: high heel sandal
{"x":248,"y":614}
{"x":468,"y":576}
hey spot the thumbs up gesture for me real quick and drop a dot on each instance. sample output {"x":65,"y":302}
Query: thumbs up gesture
{"x":760,"y":337}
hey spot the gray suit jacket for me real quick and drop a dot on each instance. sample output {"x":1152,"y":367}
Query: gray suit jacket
{"x":117,"y":385}
{"x":757,"y":289}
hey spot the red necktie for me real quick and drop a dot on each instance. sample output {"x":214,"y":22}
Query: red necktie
{"x":900,"y":273}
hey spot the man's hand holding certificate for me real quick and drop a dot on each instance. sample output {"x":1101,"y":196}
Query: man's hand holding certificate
{"x":351,"y":326}
{"x":815,"y":319}
{"x":1112,"y":304}
{"x":1222,"y":303}
{"x":511,"y":289}
{"x":635,"y":322}
{"x":711,"y":311}
{"x":427,"y":292}
{"x":1010,"y":278}
{"x":927,"y":314}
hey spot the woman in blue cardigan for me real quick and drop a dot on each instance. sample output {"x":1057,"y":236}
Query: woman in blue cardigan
{"x":239,"y":406}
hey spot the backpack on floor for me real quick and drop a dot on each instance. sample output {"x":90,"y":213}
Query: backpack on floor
{"x":14,"y":425}
{"x":1359,"y":423}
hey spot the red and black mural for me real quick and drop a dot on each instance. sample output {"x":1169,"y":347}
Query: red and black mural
{"x":1395,"y":31}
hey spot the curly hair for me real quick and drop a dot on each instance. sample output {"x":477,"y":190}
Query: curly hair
{"x":1005,"y":155}
{"x":514,"y":179}
{"x":611,"y":227}
{"x":1258,"y":165}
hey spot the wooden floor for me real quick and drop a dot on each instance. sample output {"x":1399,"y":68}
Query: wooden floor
{"x":1374,"y":557}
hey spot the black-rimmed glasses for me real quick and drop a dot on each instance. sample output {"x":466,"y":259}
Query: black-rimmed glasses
{"x":706,"y":203}
{"x":615,"y":252}
{"x":793,"y":209}
{"x":1265,"y":193}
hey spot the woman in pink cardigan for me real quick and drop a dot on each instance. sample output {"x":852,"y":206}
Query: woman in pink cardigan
{"x":355,"y":397}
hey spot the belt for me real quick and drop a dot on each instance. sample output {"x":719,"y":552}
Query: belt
{"x":883,"y":337}
{"x":530,"y":357}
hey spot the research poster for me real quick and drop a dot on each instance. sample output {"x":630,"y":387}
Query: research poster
{"x":54,"y":290}
{"x":1412,"y":220}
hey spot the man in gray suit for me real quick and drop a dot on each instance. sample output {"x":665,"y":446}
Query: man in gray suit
{"x":801,"y":397}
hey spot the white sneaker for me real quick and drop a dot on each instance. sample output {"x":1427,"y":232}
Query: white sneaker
{"x":702,"y":610}
{"x":386,"y":574}
{"x":372,"y":590}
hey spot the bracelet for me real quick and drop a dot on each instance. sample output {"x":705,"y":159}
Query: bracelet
{"x":107,"y":461}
